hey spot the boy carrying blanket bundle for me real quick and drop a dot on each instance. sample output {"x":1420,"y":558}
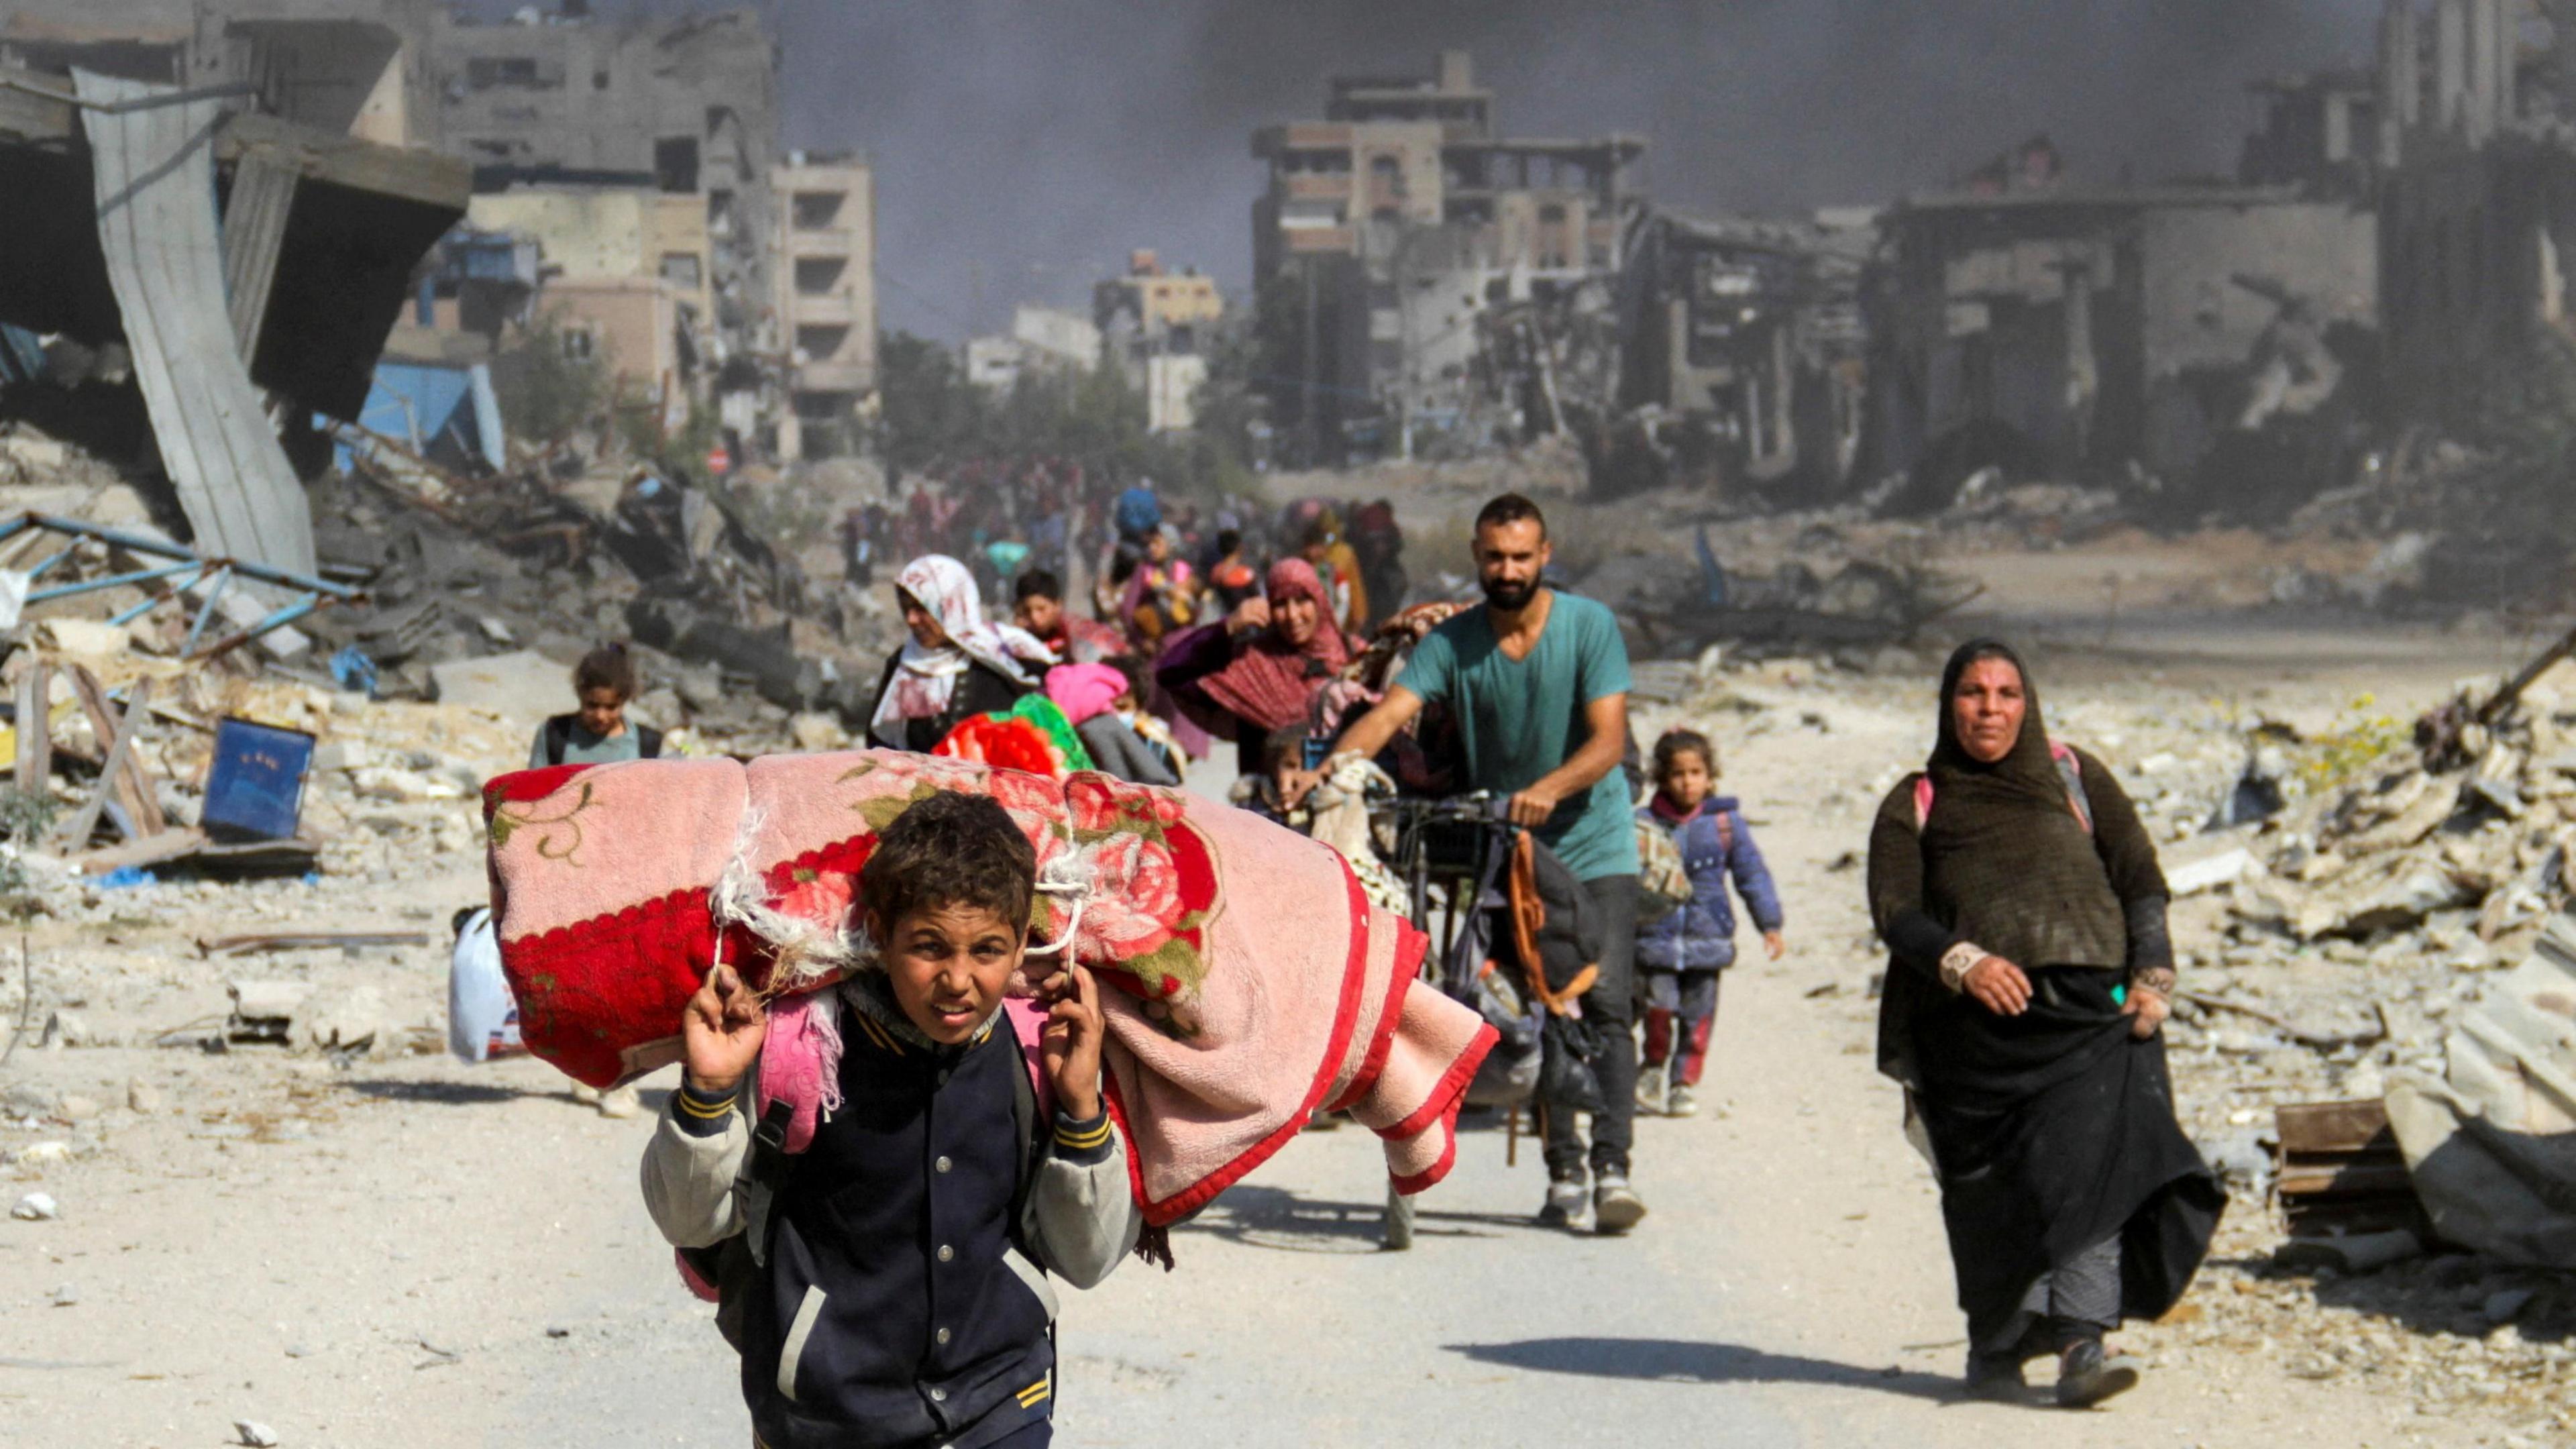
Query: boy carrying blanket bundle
{"x":887,"y":1283}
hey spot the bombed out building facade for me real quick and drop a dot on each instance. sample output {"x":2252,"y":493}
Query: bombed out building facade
{"x":639,"y":158}
{"x":1405,"y":241}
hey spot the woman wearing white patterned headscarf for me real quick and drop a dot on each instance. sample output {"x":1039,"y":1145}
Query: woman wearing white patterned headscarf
{"x":955,"y":664}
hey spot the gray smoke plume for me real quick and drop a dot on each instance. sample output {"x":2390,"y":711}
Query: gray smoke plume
{"x":1023,"y":146}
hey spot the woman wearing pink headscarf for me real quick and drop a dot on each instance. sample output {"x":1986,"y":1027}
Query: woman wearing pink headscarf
{"x":955,"y":665}
{"x":1253,"y":676}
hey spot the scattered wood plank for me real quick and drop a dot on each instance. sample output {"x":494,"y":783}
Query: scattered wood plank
{"x":158,"y":849}
{"x":2317,"y":1041}
{"x":35,"y":763}
{"x":134,"y":793}
{"x":113,"y":770}
{"x":2341,"y":1170}
{"x":307,"y":941}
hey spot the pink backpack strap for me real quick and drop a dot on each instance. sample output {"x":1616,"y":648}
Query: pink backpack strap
{"x":2070,"y":773}
{"x":800,"y":1062}
{"x":1028,"y":1024}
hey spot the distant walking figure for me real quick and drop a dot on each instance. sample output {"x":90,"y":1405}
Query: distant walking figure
{"x":2025,"y":911}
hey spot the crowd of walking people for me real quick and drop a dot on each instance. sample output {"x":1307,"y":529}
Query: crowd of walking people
{"x":2018,"y":894}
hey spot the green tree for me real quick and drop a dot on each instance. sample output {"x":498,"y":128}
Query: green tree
{"x":555,"y":382}
{"x":928,"y":408}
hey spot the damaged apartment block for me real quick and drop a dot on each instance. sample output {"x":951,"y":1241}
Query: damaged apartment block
{"x":1744,"y":360}
{"x":2204,"y":341}
{"x":217,"y":214}
{"x":1426,"y":277}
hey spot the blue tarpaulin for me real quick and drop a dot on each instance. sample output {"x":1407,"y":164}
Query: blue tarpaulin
{"x":445,"y":412}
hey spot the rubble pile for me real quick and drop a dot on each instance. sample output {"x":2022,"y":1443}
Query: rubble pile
{"x":562,"y":555}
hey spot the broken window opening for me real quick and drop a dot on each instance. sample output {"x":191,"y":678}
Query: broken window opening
{"x":683,"y":270}
{"x":819,"y":276}
{"x":675,"y":163}
{"x":821,"y":342}
{"x":817,"y":210}
{"x":491,"y":72}
{"x":580,"y":344}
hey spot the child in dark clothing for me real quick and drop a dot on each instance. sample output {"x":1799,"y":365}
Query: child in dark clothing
{"x":1680,"y":958}
{"x":896,"y":1290}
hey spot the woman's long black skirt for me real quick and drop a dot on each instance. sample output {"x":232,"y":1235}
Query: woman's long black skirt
{"x":2052,"y":1132}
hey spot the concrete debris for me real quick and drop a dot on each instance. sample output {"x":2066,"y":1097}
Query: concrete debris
{"x":2351,"y":1254}
{"x":143,"y":1099}
{"x":37,"y":1207}
{"x":265,"y":1011}
{"x":344,"y":1022}
{"x":2189,"y":877}
{"x":2489,"y":1141}
{"x":254,"y":1433}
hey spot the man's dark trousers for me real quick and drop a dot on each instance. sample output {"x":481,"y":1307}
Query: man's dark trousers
{"x":1609,"y":1013}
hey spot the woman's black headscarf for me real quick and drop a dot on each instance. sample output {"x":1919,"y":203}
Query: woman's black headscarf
{"x":2006,"y":861}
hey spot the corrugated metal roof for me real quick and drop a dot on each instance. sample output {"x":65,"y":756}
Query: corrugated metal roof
{"x":154,"y":179}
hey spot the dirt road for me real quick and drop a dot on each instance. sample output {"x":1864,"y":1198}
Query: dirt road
{"x":413,"y":1253}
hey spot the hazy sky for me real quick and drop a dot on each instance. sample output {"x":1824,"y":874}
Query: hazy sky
{"x":1031,"y":143}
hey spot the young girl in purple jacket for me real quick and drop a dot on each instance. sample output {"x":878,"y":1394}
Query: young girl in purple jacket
{"x":1679,"y":958}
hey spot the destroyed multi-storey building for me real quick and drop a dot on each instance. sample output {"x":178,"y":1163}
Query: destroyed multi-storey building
{"x":624,"y":276}
{"x":827,"y":299}
{"x":1742,"y":339}
{"x":1426,"y":271}
{"x":684,"y":107}
{"x":1043,"y":341}
{"x":2477,"y":143}
{"x":1155,"y":326}
{"x":766,"y":300}
{"x":351,"y":69}
{"x":2195,"y":332}
{"x":231,"y":171}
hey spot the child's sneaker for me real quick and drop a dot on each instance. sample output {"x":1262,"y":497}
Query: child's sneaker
{"x":1652,"y":1080}
{"x":1681,"y":1101}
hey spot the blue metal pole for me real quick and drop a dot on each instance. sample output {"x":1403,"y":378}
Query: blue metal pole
{"x":194,"y":572}
{"x":65,"y":591}
{"x":278,"y":620}
{"x":205,"y":614}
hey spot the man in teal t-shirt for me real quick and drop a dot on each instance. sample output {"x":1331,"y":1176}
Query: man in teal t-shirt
{"x":1537,"y":683}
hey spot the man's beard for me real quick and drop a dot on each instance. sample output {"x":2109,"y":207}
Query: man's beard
{"x":1509,"y":595}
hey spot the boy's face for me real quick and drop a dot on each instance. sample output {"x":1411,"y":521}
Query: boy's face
{"x":1040,"y":615}
{"x":1687,"y":782}
{"x":950,"y":965}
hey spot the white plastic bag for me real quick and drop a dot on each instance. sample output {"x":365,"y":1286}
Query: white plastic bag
{"x":482,"y":1017}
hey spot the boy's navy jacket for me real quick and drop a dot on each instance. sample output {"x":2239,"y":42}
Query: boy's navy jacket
{"x":1701,"y":935}
{"x":899,"y":1295}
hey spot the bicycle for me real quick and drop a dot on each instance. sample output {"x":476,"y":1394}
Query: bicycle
{"x":1443,"y":844}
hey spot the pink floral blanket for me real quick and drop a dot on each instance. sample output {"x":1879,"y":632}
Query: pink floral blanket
{"x":1255,"y":982}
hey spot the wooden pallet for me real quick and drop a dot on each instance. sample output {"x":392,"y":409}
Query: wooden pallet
{"x":2340,"y":1171}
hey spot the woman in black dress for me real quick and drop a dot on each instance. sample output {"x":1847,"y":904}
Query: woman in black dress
{"x":2023,"y":905}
